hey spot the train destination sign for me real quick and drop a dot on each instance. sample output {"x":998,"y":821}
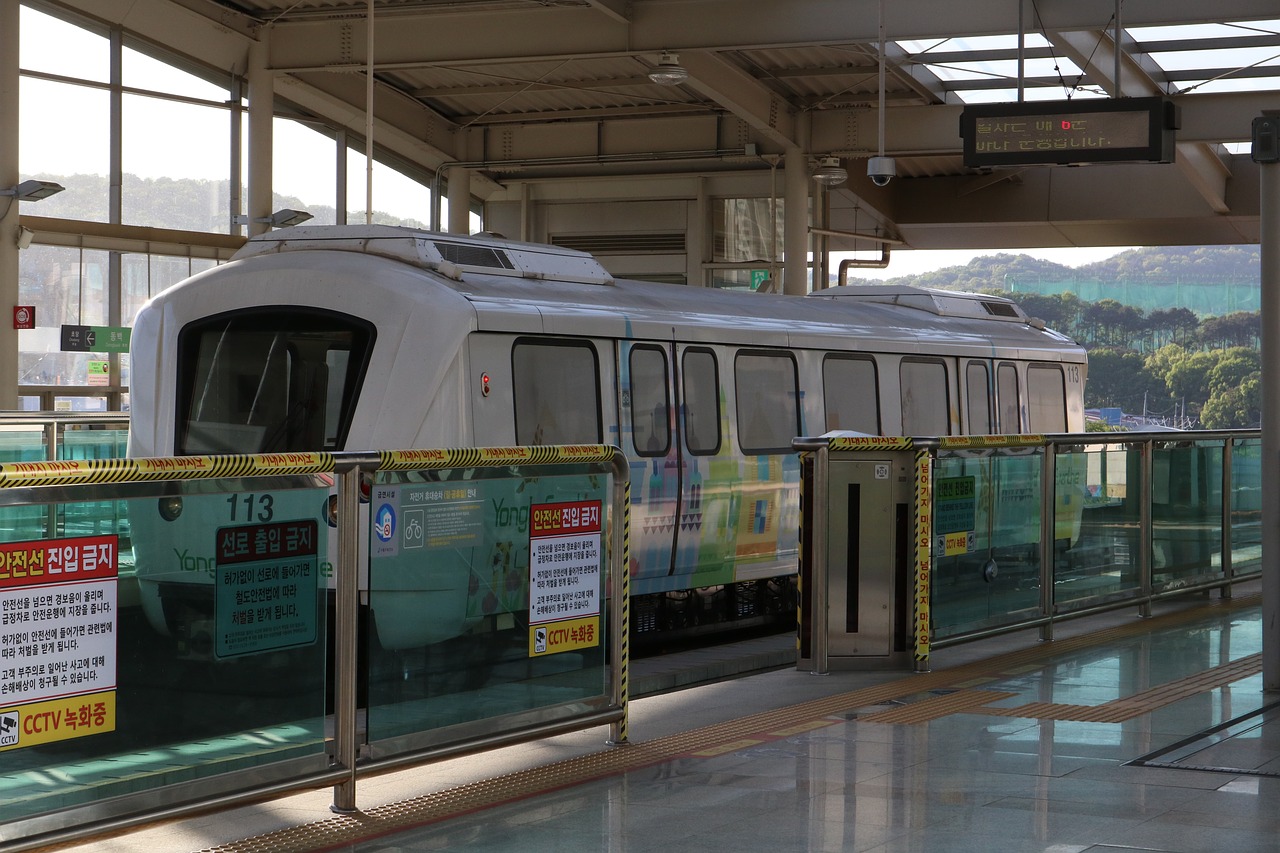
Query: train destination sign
{"x":1110,"y":130}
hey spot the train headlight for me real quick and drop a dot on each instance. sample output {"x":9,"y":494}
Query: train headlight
{"x":331,"y":511}
{"x":484,"y":385}
{"x":170,"y":508}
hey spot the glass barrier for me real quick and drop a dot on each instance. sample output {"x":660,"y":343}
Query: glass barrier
{"x":487,"y":600}
{"x":1186,"y":512}
{"x":986,"y":561}
{"x":1100,"y":488}
{"x":209,"y":664}
{"x":1246,"y":505}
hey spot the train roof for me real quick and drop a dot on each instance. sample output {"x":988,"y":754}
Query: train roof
{"x":504,"y":278}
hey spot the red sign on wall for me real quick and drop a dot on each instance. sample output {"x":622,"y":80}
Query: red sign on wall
{"x":24,"y":316}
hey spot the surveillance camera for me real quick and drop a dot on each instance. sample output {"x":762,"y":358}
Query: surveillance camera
{"x":881,"y":170}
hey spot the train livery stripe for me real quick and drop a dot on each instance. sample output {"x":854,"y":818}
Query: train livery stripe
{"x":475,"y":457}
{"x":25,"y":474}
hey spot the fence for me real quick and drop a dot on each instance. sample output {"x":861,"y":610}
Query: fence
{"x":288,"y":621}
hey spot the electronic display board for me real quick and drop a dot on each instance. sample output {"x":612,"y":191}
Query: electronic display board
{"x":1069,"y":132}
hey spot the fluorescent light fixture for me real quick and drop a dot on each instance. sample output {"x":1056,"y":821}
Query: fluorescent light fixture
{"x":669,"y":71}
{"x":33,"y":190}
{"x":830,"y":172}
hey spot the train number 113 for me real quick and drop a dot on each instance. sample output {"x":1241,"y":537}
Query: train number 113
{"x":254,"y":507}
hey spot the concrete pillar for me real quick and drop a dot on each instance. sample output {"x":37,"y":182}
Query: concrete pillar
{"x":459,"y":200}
{"x":795,"y":229}
{"x":9,"y":207}
{"x":1269,"y":238}
{"x":261,"y":112}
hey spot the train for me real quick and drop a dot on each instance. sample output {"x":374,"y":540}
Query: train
{"x":350,"y":338}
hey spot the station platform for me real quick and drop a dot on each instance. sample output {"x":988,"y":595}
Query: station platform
{"x":1123,"y":733}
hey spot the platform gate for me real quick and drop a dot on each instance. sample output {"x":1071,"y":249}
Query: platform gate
{"x":863,"y":583}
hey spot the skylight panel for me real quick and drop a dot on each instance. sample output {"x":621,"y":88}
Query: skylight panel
{"x":1204,"y":31}
{"x":972,"y":43}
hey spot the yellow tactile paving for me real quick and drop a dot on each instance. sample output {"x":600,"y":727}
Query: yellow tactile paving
{"x":340,"y":831}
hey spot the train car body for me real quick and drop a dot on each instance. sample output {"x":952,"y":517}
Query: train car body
{"x":375,"y":337}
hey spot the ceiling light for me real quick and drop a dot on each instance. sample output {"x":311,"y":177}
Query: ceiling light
{"x":33,"y":190}
{"x":830,"y":172}
{"x":669,"y":71}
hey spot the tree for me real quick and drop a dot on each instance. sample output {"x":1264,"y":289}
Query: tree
{"x":1119,"y":377}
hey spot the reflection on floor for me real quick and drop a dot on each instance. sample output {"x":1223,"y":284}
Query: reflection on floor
{"x":1122,"y":734}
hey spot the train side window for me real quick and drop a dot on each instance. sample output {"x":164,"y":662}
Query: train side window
{"x":557,"y":392}
{"x":768,"y":410}
{"x":977,"y":380}
{"x":701,"y":402}
{"x":650,"y":402}
{"x":851,"y":395}
{"x":1046,"y":398}
{"x":925,"y":401}
{"x":1007,"y":403}
{"x":269,"y":380}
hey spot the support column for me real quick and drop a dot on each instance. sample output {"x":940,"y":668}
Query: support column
{"x":261,"y":113}
{"x":1269,"y":238}
{"x":459,"y":200}
{"x":795,"y":247}
{"x":695,"y":237}
{"x":9,"y":177}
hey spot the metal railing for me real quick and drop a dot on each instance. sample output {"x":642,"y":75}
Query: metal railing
{"x":468,"y":598}
{"x":1026,"y":531}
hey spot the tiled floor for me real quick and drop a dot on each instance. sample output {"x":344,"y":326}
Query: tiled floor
{"x":1006,"y":745}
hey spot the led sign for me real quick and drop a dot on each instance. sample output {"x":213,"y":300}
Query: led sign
{"x":1069,"y":132}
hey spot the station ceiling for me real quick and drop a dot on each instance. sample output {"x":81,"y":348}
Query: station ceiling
{"x":557,"y":91}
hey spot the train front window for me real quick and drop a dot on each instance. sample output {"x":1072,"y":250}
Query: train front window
{"x":269,"y":381}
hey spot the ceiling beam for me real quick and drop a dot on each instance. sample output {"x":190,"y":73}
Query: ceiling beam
{"x":742,"y":95}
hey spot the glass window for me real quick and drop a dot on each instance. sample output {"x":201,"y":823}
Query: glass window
{"x":701,"y":402}
{"x":650,"y":402}
{"x":850,"y":391}
{"x":768,"y":414}
{"x":296,"y":149}
{"x":925,"y":402}
{"x":977,"y":380}
{"x":165,"y":186}
{"x":1007,"y":402}
{"x":139,"y":71}
{"x":77,"y":52}
{"x":1046,"y":398}
{"x":557,"y":393}
{"x":59,"y":148}
{"x":269,"y":380}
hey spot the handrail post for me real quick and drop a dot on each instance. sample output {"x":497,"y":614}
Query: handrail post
{"x":1228,"y":510}
{"x":1048,"y":530}
{"x":620,"y":608}
{"x":818,"y":619}
{"x":1146,"y":528}
{"x":348,"y":470}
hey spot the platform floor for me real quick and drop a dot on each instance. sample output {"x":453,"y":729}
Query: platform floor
{"x":1122,"y":734}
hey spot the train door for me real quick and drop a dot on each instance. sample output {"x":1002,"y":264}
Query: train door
{"x":646,"y":383}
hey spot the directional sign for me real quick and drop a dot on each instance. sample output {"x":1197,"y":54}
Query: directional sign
{"x":95,"y":339}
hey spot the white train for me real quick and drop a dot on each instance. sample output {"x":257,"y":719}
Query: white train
{"x":375,"y":337}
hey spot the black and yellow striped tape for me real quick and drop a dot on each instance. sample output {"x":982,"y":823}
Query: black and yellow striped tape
{"x":870,"y":442}
{"x":479,"y":457}
{"x":84,"y":471}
